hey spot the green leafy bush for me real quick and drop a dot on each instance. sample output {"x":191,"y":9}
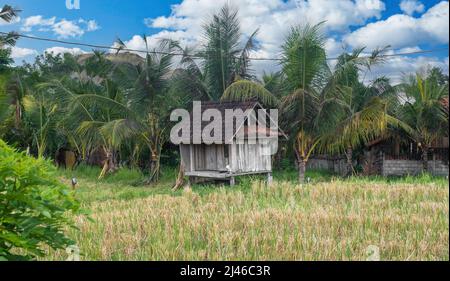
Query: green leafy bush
{"x":33,"y":206}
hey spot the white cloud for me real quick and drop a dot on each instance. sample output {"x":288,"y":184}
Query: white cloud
{"x":409,"y":7}
{"x":33,"y":21}
{"x":273,"y":18}
{"x":62,"y":28}
{"x":137,"y":42}
{"x":435,"y":22}
{"x":402,"y":30}
{"x":397,"y":67}
{"x":18,"y":53}
{"x":92,"y":25}
{"x":63,"y":50}
{"x":66,"y":29}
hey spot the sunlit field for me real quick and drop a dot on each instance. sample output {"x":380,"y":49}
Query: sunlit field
{"x":327,"y":219}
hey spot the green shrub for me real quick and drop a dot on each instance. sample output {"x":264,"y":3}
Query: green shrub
{"x":33,"y":206}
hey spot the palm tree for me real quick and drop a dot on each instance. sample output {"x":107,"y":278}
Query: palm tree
{"x":189,"y":80}
{"x":27,"y":112}
{"x":275,"y":83}
{"x":16,"y":90}
{"x":40,"y":112}
{"x":243,"y":90}
{"x":90,"y":101}
{"x":359,"y":111}
{"x":222,"y":60}
{"x":150,"y":101}
{"x":223,"y":57}
{"x":7,"y":14}
{"x":423,"y":112}
{"x":107,"y":121}
{"x":305,"y":68}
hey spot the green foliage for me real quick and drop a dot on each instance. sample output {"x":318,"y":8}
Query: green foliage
{"x":275,"y":83}
{"x":120,"y":103}
{"x":5,"y":59}
{"x":304,"y":58}
{"x":359,"y":112}
{"x":244,"y":90}
{"x":222,"y":50}
{"x":4,"y":99}
{"x":223,"y":58}
{"x":33,"y":206}
{"x":126,"y":176}
{"x":306,"y":70}
{"x":7,"y":14}
{"x":423,"y":113}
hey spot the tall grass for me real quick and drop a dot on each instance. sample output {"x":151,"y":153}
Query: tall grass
{"x":335,"y":220}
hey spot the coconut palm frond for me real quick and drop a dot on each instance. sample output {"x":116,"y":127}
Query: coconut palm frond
{"x":244,"y":90}
{"x":243,"y":63}
{"x":8,"y":13}
{"x":118,"y":130}
{"x":304,"y":58}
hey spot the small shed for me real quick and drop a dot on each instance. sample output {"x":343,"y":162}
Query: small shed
{"x":242,"y":154}
{"x":390,"y":156}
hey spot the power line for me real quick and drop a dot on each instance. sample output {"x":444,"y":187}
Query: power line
{"x":194,"y":56}
{"x":85,"y":44}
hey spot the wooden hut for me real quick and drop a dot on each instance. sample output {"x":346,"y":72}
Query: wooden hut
{"x":242,"y":154}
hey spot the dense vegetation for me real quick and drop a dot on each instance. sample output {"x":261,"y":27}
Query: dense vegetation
{"x":33,"y":206}
{"x":118,"y":105}
{"x":112,"y":110}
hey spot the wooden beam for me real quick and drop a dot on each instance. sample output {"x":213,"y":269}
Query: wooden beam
{"x":232,"y":181}
{"x":191,"y":156}
{"x":269,"y":178}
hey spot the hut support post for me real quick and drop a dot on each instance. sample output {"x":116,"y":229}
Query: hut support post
{"x":269,"y":178}
{"x":232,"y":181}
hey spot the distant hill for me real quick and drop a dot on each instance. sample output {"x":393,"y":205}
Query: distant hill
{"x":123,"y":57}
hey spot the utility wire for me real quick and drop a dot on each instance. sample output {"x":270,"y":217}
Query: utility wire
{"x":94,"y":46}
{"x":118,"y":49}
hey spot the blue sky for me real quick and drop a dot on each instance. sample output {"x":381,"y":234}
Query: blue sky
{"x":407,"y":25}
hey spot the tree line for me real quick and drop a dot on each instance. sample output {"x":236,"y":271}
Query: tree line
{"x":119,"y":103}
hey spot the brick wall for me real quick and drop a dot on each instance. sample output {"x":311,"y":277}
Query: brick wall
{"x":337,"y":166}
{"x":412,"y":167}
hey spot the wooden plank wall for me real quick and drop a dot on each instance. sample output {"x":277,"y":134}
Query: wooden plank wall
{"x":243,"y":158}
{"x":209,"y":157}
{"x":249,"y":158}
{"x":185,"y":156}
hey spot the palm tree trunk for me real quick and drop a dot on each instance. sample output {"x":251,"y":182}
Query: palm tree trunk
{"x":301,"y":170}
{"x":17,"y":116}
{"x":109,"y":164}
{"x":180,"y":178}
{"x":425,"y":158}
{"x":154,"y":168}
{"x":349,"y":155}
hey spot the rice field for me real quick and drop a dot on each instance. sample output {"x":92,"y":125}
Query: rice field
{"x":328,"y":219}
